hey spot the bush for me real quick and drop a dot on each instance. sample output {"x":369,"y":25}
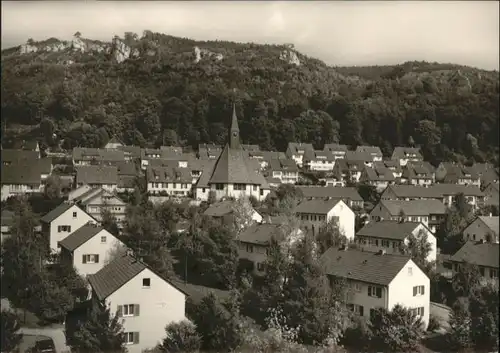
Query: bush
{"x":181,"y":337}
{"x":434,"y":324}
{"x":358,"y":335}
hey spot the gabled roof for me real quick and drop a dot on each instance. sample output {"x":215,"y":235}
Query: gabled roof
{"x":295,"y":147}
{"x":98,"y":154}
{"x":288,"y":165}
{"x":454,"y":189}
{"x":379,"y":174}
{"x":404,"y":152}
{"x":11,"y":155}
{"x":219,"y":209}
{"x":388,"y":229}
{"x":372,"y":150}
{"x":335,"y":192}
{"x":80,"y":236}
{"x":363,"y":266}
{"x":333,"y":147}
{"x":478,"y":253}
{"x":358,"y":156}
{"x":413,"y":207}
{"x":96,"y":174}
{"x":259,"y":233}
{"x":253,"y":148}
{"x":168,"y":175}
{"x":411,"y":191}
{"x":316,"y":206}
{"x":117,"y":273}
{"x":491,"y":222}
{"x":346,"y":165}
{"x":56,"y":212}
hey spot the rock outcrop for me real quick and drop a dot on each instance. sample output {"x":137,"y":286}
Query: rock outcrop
{"x":290,"y":57}
{"x":206,"y":54}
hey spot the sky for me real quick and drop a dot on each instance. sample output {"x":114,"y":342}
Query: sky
{"x":341,"y":33}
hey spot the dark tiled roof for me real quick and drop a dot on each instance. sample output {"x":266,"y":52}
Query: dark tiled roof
{"x":168,"y":175}
{"x":404,"y":152}
{"x":117,"y":273}
{"x":454,"y":189}
{"x":370,"y":150}
{"x":268,"y":155}
{"x":10,"y":155}
{"x":388,"y":229}
{"x":253,"y":148}
{"x":260,"y":233}
{"x":287,"y":165}
{"x":80,"y":236}
{"x":97,"y":154}
{"x":414,"y":207}
{"x":316,"y":206}
{"x":412,"y":191}
{"x":96,"y":174}
{"x":56,"y":212}
{"x":335,"y":147}
{"x":132,"y":151}
{"x":219,"y":209}
{"x":358,"y":156}
{"x":320,"y":156}
{"x":481,"y":254}
{"x":336,"y":192}
{"x":346,"y":165}
{"x":20,"y":175}
{"x":379,"y":174}
{"x":295,"y":147}
{"x":127,"y":168}
{"x":126,"y":181}
{"x":363,"y":266}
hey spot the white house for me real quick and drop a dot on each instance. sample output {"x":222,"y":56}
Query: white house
{"x":296,"y":151}
{"x":390,"y":235}
{"x":170,"y":181}
{"x":406,"y":154}
{"x":319,"y":160}
{"x":482,"y":228}
{"x":89,"y":248}
{"x":96,"y":200}
{"x":144,"y":301}
{"x":316,"y":213}
{"x":62,"y":221}
{"x":285,"y":170}
{"x":379,"y":280}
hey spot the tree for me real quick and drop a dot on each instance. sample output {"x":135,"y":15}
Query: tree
{"x":418,"y":247}
{"x":9,"y":331}
{"x":330,"y":235}
{"x":398,"y":330}
{"x":483,"y":307}
{"x":449,"y":234}
{"x":96,"y":331}
{"x":182,"y":337}
{"x":108,"y":221}
{"x":466,"y":278}
{"x":77,"y":34}
{"x":116,"y":251}
{"x":460,"y":325}
{"x":242,"y":213}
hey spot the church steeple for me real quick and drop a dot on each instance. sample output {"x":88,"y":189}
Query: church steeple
{"x":234,"y":131}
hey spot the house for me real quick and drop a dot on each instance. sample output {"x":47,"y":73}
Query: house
{"x":144,"y":301}
{"x":349,"y":195}
{"x":265,"y":156}
{"x":88,"y":249}
{"x":392,"y":165}
{"x":233,"y":175}
{"x":251,"y":148}
{"x":406,"y":154}
{"x":409,"y":192}
{"x":453,"y":173}
{"x":83,"y":156}
{"x":131,"y":153}
{"x":97,"y":176}
{"x":337,"y":150}
{"x":319,"y":161}
{"x":7,"y":220}
{"x":285,"y":170}
{"x":418,"y":173}
{"x":28,"y":145}
{"x":430,"y":212}
{"x":379,"y":280}
{"x":113,"y":144}
{"x":330,"y":179}
{"x":362,"y":156}
{"x":95,"y":200}
{"x":24,"y":177}
{"x":373,"y":151}
{"x":348,"y":170}
{"x":316,"y":213}
{"x":61,"y":222}
{"x":389,"y":236}
{"x":491,"y":195}
{"x":273,"y":182}
{"x":482,"y":228}
{"x":224,"y":210}
{"x":486,"y":172}
{"x":378,"y":176}
{"x":296,"y":151}
{"x":10,"y":156}
{"x":254,"y":241}
{"x":175,"y":182}
{"x":480,"y":253}
{"x":209,"y":151}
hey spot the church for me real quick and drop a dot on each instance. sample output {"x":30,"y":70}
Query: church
{"x":232,"y":174}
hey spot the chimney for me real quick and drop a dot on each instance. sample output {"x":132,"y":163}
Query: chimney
{"x":130,"y":252}
{"x":381,"y":252}
{"x":491,"y":214}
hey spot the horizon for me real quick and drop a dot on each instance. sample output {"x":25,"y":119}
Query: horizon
{"x":461,"y":33}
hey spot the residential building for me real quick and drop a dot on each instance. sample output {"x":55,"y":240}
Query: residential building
{"x":251,"y":148}
{"x":95,"y":200}
{"x":482,"y":228}
{"x":379,"y":280}
{"x":337,"y":150}
{"x":316,"y":213}
{"x":373,"y":151}
{"x":89,"y":249}
{"x":430,"y":212}
{"x":253,"y":242}
{"x":296,"y":151}
{"x":406,"y":154}
{"x":97,"y":176}
{"x":233,"y":175}
{"x":24,"y":176}
{"x":131,"y":153}
{"x":348,"y":170}
{"x":486,"y":172}
{"x":480,"y":253}
{"x":209,"y":151}
{"x":318,"y":161}
{"x":331,"y":179}
{"x":114,"y":143}
{"x":265,"y":156}
{"x":61,"y":222}
{"x":284,"y":169}
{"x":392,"y":165}
{"x":349,"y":195}
{"x":378,"y":176}
{"x":453,"y":173}
{"x":390,"y":236}
{"x":225,"y":211}
{"x":176,"y":182}
{"x":83,"y":156}
{"x":491,"y":195}
{"x":7,"y":220}
{"x":144,"y":301}
{"x":10,"y":156}
{"x":418,"y":173}
{"x":361,"y":156}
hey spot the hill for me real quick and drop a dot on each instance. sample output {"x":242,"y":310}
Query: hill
{"x":158,"y":89}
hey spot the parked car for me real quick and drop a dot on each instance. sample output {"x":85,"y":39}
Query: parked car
{"x":44,"y":346}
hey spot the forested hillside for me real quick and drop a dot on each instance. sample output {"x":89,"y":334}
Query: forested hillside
{"x":158,"y":89}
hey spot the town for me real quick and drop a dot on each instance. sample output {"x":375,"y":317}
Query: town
{"x":154,"y":233}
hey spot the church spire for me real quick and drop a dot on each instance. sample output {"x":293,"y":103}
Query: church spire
{"x":234,"y":133}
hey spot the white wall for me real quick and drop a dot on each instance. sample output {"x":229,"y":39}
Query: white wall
{"x":359,"y":296}
{"x":401,"y":290}
{"x":228,"y":191}
{"x":160,"y":305}
{"x":477,"y":230}
{"x":94,"y":246}
{"x":174,"y":189}
{"x":347,"y":219}
{"x":67,"y":219}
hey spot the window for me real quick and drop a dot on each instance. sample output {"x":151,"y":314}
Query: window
{"x":375,"y":292}
{"x":203,"y":190}
{"x":418,"y":290}
{"x":128,"y":310}
{"x":64,"y":229}
{"x":174,"y":185}
{"x":146,"y":282}
{"x":249,"y":248}
{"x":74,"y":214}
{"x":481,"y":270}
{"x":260,"y":266}
{"x":356,"y":286}
{"x":372,"y":313}
{"x":103,"y":239}
{"x":255,"y":187}
{"x":355,"y":308}
{"x":385,"y":243}
{"x":261,"y":192}
{"x":493,"y":273}
{"x":418,"y":311}
{"x":240,"y":187}
{"x":410,"y":271}
{"x":130,"y":338}
{"x":90,"y":259}
{"x":219,"y":186}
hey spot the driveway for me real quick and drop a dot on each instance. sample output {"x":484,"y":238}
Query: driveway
{"x":442,"y":313}
{"x":56,"y":333}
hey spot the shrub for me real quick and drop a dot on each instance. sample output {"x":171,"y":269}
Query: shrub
{"x":434,"y":324}
{"x":181,"y":337}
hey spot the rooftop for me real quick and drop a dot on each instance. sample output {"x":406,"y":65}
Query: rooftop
{"x":478,"y":253}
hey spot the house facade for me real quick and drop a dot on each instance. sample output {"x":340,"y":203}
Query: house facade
{"x":170,"y":181}
{"x":284,"y":169}
{"x":102,"y":176}
{"x":407,"y":154}
{"x":296,"y":151}
{"x":349,"y":195}
{"x":482,"y":254}
{"x":482,"y":228}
